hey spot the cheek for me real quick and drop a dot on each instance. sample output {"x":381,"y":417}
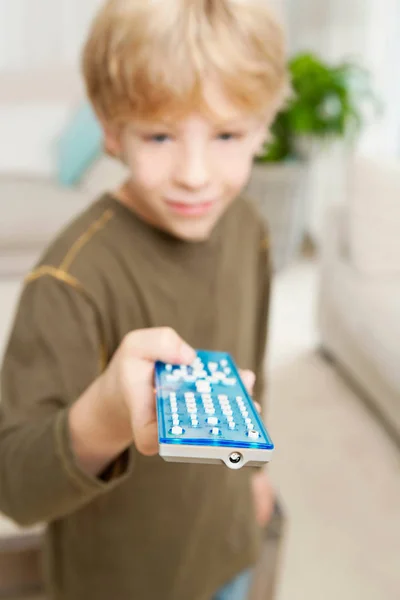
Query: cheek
{"x":235,"y":169}
{"x":149,"y":170}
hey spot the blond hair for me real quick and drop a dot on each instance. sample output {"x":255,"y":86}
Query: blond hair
{"x":152,"y":57}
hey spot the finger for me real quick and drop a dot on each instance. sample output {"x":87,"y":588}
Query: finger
{"x":162,"y":344}
{"x":249,"y":380}
{"x":258,"y":407}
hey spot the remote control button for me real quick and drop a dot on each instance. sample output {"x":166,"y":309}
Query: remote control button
{"x":248,"y":421}
{"x":219,"y":376}
{"x":189,"y":395}
{"x":195,"y":424}
{"x":227,"y":371}
{"x":174,"y":410}
{"x":250,"y":425}
{"x":254,"y":435}
{"x":210,"y":411}
{"x":168,"y":368}
{"x":172,"y":395}
{"x":215,"y":431}
{"x":227,"y":412}
{"x":212,"y":366}
{"x":212,"y":420}
{"x":223,"y":398}
{"x":232,"y":425}
{"x":230,"y":381}
{"x":244,"y":413}
{"x":203,"y":386}
{"x":175,"y":422}
{"x":212,"y":379}
{"x":177,"y":430}
{"x":172,"y":377}
{"x":206,"y":397}
{"x":224,"y":363}
{"x":192,"y":410}
{"x":189,"y":378}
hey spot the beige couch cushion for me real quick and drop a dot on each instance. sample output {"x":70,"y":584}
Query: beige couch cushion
{"x":374,"y":216}
{"x":33,"y":211}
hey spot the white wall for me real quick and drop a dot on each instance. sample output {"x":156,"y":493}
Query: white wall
{"x":367,"y":31}
{"x":40,"y":41}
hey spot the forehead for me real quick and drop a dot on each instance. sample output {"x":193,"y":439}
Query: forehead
{"x":211,"y":106}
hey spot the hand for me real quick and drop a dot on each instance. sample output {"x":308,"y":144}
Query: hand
{"x":128,"y":383}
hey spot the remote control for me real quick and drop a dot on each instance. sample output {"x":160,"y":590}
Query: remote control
{"x":205,"y":414}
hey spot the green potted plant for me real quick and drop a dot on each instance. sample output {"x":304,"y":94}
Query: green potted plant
{"x":327,"y":103}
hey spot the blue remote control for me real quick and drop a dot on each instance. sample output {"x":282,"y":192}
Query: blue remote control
{"x":206,"y":415}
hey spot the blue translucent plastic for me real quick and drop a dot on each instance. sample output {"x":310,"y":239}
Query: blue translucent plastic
{"x":201,"y":435}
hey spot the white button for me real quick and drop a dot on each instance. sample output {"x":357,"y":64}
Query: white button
{"x":250,"y":425}
{"x":212,"y":366}
{"x":177,"y":430}
{"x":171,"y":377}
{"x":223,"y":397}
{"x":172,"y":395}
{"x":189,"y":394}
{"x":215,"y":431}
{"x":206,"y":396}
{"x":230,"y":419}
{"x":210,"y":411}
{"x":231,"y":381}
{"x":174,"y":410}
{"x":247,"y":421}
{"x":168,"y":368}
{"x":189,"y":378}
{"x":195,"y":423}
{"x":254,"y":435}
{"x":227,"y":371}
{"x":232,"y":425}
{"x":227,"y":412}
{"x":203,"y":386}
{"x":244,"y":413}
{"x":219,"y":375}
{"x":212,"y":420}
{"x":192,"y":410}
{"x":224,"y":363}
{"x":239,"y":399}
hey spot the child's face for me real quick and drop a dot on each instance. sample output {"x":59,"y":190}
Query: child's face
{"x":185,"y":173}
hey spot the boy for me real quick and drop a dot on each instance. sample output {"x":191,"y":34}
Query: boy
{"x":185,"y":90}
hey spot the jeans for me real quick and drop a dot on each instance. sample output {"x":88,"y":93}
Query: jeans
{"x":237,"y":589}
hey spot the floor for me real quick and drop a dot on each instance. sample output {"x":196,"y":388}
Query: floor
{"x":335,"y":469}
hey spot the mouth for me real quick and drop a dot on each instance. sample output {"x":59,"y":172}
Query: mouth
{"x":190,"y":209}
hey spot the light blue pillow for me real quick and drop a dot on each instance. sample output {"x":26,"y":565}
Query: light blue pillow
{"x":79,"y":146}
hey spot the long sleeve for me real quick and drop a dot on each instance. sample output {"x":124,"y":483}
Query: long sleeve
{"x":52,"y":357}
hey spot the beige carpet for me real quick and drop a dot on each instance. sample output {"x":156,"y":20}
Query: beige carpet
{"x":339,"y":477}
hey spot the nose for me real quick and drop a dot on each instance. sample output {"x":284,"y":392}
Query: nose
{"x":193,"y":169}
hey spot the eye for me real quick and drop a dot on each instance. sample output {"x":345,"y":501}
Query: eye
{"x":159,"y":138}
{"x":227,"y":136}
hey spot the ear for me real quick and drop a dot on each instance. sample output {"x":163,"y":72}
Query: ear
{"x":260,"y":137}
{"x":112,"y":140}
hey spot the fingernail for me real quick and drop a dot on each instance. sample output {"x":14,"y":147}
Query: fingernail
{"x":187,"y":353}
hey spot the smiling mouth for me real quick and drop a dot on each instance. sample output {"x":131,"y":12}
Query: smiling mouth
{"x":190,"y":209}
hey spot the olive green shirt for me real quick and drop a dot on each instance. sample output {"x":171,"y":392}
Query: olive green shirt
{"x":145,"y":529}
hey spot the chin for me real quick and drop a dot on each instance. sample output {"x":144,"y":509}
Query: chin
{"x":194,"y":233}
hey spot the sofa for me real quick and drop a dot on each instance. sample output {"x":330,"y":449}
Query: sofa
{"x":359,"y":299}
